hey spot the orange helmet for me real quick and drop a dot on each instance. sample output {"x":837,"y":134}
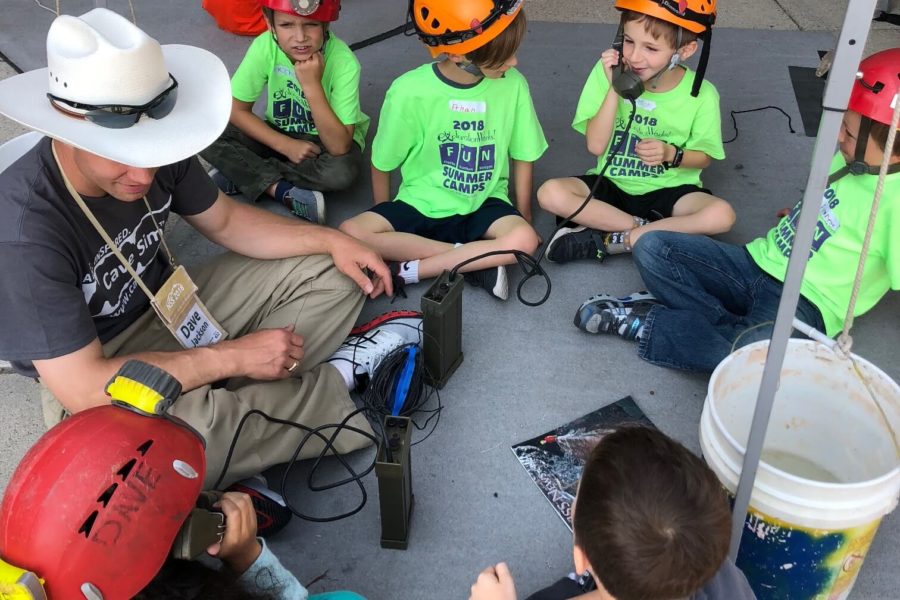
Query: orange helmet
{"x":460,"y":26}
{"x":693,"y":15}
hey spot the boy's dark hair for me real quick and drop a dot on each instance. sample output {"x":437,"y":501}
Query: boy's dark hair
{"x":501,"y":48}
{"x":660,"y":29}
{"x":192,"y":580}
{"x":879,"y":133}
{"x":651,"y":517}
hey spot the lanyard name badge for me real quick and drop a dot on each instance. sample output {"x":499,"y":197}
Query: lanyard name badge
{"x":176,"y":303}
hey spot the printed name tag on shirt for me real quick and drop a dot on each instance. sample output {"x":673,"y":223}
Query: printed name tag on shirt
{"x":645,"y":104}
{"x":468,"y":106}
{"x":828,"y":216}
{"x":173,"y":297}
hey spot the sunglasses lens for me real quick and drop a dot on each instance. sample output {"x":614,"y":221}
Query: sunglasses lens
{"x":112,"y":120}
{"x":164,"y":106}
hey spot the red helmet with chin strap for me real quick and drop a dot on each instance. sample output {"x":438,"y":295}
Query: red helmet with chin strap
{"x":877,"y":88}
{"x":95,"y":505}
{"x":317,"y":10}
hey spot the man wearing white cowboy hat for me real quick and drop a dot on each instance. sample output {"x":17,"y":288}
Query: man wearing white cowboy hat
{"x":83,"y":258}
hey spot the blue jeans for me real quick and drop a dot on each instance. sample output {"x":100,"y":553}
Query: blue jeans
{"x":711,"y":293}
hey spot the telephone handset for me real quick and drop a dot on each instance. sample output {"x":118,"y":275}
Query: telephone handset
{"x":625,"y":83}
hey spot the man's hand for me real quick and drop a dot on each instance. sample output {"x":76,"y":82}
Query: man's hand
{"x":309,"y":71}
{"x":494,"y":583}
{"x":352,"y":258}
{"x":266,"y":354}
{"x":297,"y":151}
{"x":653,"y":152}
{"x":239,"y":547}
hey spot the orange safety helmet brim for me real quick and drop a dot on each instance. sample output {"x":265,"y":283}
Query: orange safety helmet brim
{"x":877,"y":89}
{"x":317,"y":10}
{"x":694,"y":15}
{"x":461,"y":26}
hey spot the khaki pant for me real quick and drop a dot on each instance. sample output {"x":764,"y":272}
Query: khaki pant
{"x":245,"y":295}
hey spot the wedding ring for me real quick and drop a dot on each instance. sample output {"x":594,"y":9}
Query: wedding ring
{"x":291,"y":368}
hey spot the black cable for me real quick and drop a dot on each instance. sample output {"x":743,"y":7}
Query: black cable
{"x":379,"y":38}
{"x":750,"y":110}
{"x":526,"y":260}
{"x":380,"y":386}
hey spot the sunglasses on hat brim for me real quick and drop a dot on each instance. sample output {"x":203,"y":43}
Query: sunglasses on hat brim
{"x":120,"y":116}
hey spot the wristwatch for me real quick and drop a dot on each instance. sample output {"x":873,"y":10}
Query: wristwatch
{"x":676,"y":161}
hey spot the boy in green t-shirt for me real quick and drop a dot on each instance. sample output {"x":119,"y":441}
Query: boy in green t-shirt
{"x":705,"y":294}
{"x":653,"y":181}
{"x":314,"y":130}
{"x":451,"y":127}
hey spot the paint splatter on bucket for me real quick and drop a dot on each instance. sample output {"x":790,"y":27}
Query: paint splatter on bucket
{"x":830,"y":470}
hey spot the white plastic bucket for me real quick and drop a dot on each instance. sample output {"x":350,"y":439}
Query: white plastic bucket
{"x":829,"y":473}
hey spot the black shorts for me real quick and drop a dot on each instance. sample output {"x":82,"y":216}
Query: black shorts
{"x":657,"y":204}
{"x":455,"y":229}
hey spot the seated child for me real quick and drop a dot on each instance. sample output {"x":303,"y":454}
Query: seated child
{"x":651,"y":522}
{"x":704,"y":294}
{"x":653,"y":182}
{"x":314,"y":131}
{"x":451,"y":127}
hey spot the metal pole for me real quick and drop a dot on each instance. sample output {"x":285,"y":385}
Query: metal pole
{"x":848,"y":54}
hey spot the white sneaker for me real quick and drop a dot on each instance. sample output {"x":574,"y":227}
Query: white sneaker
{"x":365,"y":351}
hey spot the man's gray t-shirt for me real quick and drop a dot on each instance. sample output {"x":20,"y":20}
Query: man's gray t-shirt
{"x":60,"y":285}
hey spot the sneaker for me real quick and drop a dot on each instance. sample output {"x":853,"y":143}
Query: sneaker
{"x":272,"y":513}
{"x":411,"y":318}
{"x":397,"y":280}
{"x":494,"y":280}
{"x":223,"y":183}
{"x":607,"y":314}
{"x":366,"y":350}
{"x":574,"y":243}
{"x":306,"y":204}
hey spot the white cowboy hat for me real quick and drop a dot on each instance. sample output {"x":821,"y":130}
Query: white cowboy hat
{"x":101,"y":58}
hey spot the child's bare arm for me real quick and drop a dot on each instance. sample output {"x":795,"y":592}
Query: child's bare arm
{"x":335,"y":136}
{"x":523,"y":177}
{"x":654,"y":152}
{"x":600,"y":127}
{"x":243,"y":118}
{"x":381,"y":185}
{"x":239,"y":547}
{"x":494,"y":583}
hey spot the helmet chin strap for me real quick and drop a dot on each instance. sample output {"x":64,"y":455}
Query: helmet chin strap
{"x":859,"y":166}
{"x":673,"y":62}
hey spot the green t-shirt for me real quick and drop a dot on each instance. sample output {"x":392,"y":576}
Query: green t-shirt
{"x":674,"y":117}
{"x":453,"y":143}
{"x":287,"y":108}
{"x":831,"y":268}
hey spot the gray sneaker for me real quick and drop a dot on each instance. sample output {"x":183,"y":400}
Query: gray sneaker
{"x":307,"y":204}
{"x":624,"y":316}
{"x":367,"y":349}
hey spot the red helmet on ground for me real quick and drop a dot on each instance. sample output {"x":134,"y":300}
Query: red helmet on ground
{"x":877,"y":90}
{"x":317,"y":10}
{"x":95,"y":505}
